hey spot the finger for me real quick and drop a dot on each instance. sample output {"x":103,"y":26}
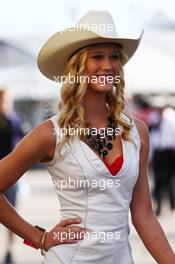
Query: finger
{"x":65,"y":231}
{"x":69,"y":235}
{"x":75,"y":235}
{"x":70,"y":221}
{"x":75,"y":229}
{"x":70,"y":241}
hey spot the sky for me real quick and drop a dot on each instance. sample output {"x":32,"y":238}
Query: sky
{"x":44,"y":17}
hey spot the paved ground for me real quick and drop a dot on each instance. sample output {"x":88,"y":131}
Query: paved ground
{"x":41,"y":208}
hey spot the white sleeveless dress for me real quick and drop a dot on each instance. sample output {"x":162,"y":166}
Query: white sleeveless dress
{"x":100,"y":199}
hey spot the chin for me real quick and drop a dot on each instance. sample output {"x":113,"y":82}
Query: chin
{"x":101,"y":88}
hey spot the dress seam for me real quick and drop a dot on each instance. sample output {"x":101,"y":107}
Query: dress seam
{"x":85,"y":220}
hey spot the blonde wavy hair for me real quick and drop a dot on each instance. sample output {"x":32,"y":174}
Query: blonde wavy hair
{"x":71,"y":111}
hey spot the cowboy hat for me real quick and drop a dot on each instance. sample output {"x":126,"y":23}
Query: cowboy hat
{"x":94,"y":27}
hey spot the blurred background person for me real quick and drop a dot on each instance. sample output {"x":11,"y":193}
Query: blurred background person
{"x":162,"y":139}
{"x":10,"y":134}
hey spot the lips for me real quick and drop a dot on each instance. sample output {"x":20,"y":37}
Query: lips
{"x":105,"y":75}
{"x":105,"y":78}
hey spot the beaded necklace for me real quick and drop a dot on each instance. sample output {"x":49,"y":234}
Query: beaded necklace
{"x":101,"y":143}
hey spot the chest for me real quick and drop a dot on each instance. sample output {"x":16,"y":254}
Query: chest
{"x":77,"y":161}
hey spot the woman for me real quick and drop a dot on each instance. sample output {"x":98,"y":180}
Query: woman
{"x":97,"y":177}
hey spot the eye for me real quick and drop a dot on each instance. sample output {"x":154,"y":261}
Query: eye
{"x":116,"y":56}
{"x":97,"y":57}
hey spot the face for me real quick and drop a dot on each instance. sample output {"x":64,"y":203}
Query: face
{"x":103,"y":66}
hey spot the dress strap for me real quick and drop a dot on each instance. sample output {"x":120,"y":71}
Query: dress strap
{"x":57,"y":130}
{"x":57,"y":133}
{"x":134,"y":131}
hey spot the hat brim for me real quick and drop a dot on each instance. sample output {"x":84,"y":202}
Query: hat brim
{"x":55,"y":53}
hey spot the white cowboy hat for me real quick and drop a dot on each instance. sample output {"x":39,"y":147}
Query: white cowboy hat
{"x":94,"y":27}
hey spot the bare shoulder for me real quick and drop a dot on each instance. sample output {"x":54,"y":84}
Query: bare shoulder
{"x":142,"y":130}
{"x":40,"y":141}
{"x":44,"y":134}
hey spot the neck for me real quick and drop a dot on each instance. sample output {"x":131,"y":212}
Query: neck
{"x":95,"y":106}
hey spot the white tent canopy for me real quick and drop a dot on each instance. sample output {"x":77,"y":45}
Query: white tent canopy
{"x":152,"y":69}
{"x":27,"y":83}
{"x":19,"y":71}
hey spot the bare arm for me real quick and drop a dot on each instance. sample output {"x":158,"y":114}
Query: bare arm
{"x":143,"y":217}
{"x":36,"y":146}
{"x":32,"y":149}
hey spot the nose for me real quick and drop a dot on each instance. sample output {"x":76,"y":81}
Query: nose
{"x":106,"y":64}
